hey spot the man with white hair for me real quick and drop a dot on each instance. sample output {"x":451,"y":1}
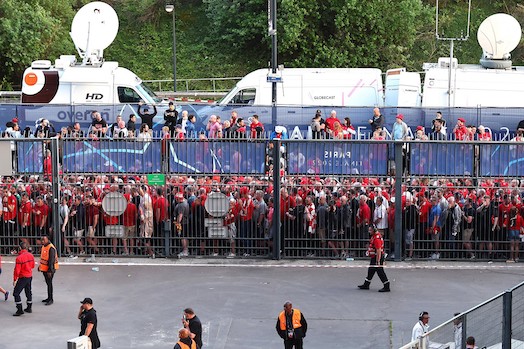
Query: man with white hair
{"x":330,"y":122}
{"x":377,"y":121}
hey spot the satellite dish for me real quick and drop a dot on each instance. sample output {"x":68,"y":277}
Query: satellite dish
{"x":498,"y":35}
{"x":93,"y":29}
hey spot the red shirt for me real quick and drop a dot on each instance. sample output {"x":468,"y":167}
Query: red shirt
{"x":285,"y":205}
{"x":160,"y":209}
{"x":364,"y":214}
{"x":504,"y":214}
{"x":40,"y":213}
{"x":130,"y":215}
{"x":110,"y":220}
{"x":91,"y":212}
{"x":461,"y":133}
{"x":25,"y":262}
{"x":375,"y":243}
{"x":247,"y":208}
{"x":424,"y":212}
{"x":26,"y":208}
{"x":10,"y":215}
{"x":330,"y":122}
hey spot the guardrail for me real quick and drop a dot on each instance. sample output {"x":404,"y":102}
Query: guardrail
{"x":200,"y":85}
{"x":495,"y":323}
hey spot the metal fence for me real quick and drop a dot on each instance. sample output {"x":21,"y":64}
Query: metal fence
{"x":266,"y":198}
{"x":495,"y":323}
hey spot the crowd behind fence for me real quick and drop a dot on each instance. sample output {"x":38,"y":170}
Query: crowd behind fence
{"x":495,"y":323}
{"x":278,"y":198}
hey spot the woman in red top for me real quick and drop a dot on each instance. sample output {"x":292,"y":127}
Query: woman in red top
{"x":516,"y":229}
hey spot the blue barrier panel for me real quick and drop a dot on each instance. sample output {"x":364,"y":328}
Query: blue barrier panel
{"x":337,"y":158}
{"x":444,"y":159}
{"x":109,"y":156}
{"x":502,"y":160}
{"x":230,"y":157}
{"x":30,"y":157}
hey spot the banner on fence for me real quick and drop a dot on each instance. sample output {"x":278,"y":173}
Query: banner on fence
{"x":217,"y":157}
{"x":502,"y":160}
{"x":442,"y":159}
{"x":111,"y":156}
{"x":337,"y":158}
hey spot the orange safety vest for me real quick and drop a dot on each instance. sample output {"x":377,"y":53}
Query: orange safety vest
{"x":44,"y":258}
{"x":295,"y":319}
{"x":185,"y":346}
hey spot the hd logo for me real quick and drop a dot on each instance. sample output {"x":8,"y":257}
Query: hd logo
{"x":94,"y":96}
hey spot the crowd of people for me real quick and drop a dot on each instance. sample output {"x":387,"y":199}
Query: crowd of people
{"x":184,"y":126}
{"x":322,"y":217}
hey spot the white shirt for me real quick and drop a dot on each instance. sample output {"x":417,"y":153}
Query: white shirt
{"x":381,"y":214}
{"x":418,"y":330}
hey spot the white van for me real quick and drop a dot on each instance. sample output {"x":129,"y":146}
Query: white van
{"x":67,"y":82}
{"x":351,"y":87}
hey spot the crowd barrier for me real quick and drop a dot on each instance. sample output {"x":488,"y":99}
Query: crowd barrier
{"x":240,"y":178}
{"x":495,"y":323}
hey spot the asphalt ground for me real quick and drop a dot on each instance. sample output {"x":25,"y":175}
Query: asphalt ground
{"x":139,"y":302}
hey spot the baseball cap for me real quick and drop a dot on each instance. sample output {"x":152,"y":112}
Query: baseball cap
{"x":400,"y":116}
{"x":461,"y":120}
{"x":87,"y":301}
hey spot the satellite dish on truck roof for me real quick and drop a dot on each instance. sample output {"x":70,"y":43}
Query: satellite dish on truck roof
{"x":498,"y":35}
{"x":94,"y":28}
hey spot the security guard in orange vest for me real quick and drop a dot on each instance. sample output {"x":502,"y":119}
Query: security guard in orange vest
{"x":291,"y":327}
{"x":48,"y":266}
{"x":185,"y":342}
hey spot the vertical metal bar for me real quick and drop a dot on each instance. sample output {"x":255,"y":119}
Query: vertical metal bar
{"x":464,"y":332}
{"x":276,"y":199}
{"x":506,"y":319}
{"x":55,"y":180}
{"x":174,"y":51}
{"x":274,"y":60}
{"x":398,"y":200}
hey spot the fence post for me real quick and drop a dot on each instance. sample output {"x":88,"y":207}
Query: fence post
{"x":506,"y":319}
{"x":55,"y":180}
{"x":399,"y":170}
{"x":276,"y":198}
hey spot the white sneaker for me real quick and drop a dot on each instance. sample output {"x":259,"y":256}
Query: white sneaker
{"x":215,"y":254}
{"x":183,"y":254}
{"x":231,"y":255}
{"x":246,"y":254}
{"x":437,"y":256}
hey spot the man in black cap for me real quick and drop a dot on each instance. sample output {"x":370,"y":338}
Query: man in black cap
{"x":88,"y":321}
{"x":146,"y":116}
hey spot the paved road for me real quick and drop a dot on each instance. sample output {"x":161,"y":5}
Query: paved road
{"x":139,"y":303}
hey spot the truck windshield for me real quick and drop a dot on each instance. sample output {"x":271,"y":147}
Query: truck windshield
{"x":147,"y":92}
{"x":245,"y":96}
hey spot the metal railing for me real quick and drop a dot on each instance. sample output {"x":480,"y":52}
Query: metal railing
{"x":495,"y":323}
{"x":200,"y":85}
{"x":338,"y":177}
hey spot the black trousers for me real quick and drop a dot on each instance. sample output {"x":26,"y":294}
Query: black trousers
{"x":379,"y":269}
{"x":49,"y":282}
{"x":293,"y":343}
{"x":23,"y":284}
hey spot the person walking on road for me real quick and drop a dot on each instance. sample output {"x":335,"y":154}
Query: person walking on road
{"x":184,"y":340}
{"x":22,"y":278}
{"x":291,"y":327}
{"x":376,"y":252}
{"x":192,"y":323}
{"x":6,"y":293}
{"x":48,"y":266}
{"x":88,"y":322}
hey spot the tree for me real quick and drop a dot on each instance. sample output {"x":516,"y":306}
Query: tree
{"x":31,"y":30}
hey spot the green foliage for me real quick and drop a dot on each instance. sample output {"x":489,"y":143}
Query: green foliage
{"x":31,"y":30}
{"x":220,"y":38}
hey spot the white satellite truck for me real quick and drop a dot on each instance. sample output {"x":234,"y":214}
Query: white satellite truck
{"x":495,"y":82}
{"x":90,"y":81}
{"x":322,"y":87}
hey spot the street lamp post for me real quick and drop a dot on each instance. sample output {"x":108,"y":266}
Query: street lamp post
{"x":170,"y":8}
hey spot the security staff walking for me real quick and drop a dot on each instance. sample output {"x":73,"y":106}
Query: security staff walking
{"x":48,"y":266}
{"x":376,"y":252}
{"x":22,"y":278}
{"x":291,"y":327}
